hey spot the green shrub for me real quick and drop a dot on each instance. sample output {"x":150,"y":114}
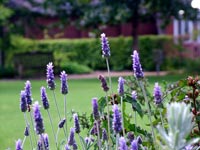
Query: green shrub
{"x":88,"y":51}
{"x":7,"y":72}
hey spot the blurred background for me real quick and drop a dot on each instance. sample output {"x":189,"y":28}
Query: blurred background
{"x":67,"y":32}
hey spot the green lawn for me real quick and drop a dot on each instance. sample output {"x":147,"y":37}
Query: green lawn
{"x":79,"y":98}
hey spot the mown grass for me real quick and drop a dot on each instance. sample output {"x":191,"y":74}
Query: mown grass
{"x":81,"y":91}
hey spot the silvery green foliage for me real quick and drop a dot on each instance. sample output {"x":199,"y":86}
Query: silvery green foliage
{"x":180,"y":125}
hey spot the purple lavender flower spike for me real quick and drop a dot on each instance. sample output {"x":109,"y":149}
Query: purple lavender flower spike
{"x":26,"y":131}
{"x":71,"y":139}
{"x":137,"y":68}
{"x":121,"y":86}
{"x":23,"y":104}
{"x":46,"y":141}
{"x":103,"y":83}
{"x":105,"y":45}
{"x":28,"y":92}
{"x":104,"y":135}
{"x":75,"y":147}
{"x":157,"y":94}
{"x":67,"y":147}
{"x":134,"y":145}
{"x":39,"y":144}
{"x":122,"y":144}
{"x":39,"y":127}
{"x":50,"y":76}
{"x":130,"y":136}
{"x":64,"y":86}
{"x":134,"y":95}
{"x":117,"y":123}
{"x":139,"y":140}
{"x":76,"y":123}
{"x":95,"y":109}
{"x":61,"y":123}
{"x":18,"y":145}
{"x":44,"y":98}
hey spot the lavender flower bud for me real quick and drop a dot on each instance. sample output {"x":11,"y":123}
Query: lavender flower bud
{"x":105,"y":45}
{"x":50,"y":76}
{"x":39,"y":144}
{"x":134,"y":145}
{"x":157,"y":94}
{"x":44,"y":98}
{"x":39,"y":127}
{"x":95,"y":109}
{"x":67,"y":147}
{"x":139,"y":140}
{"x":76,"y":123}
{"x":46,"y":141}
{"x":87,"y":140}
{"x":121,"y":86}
{"x":64,"y":86}
{"x":26,"y":131}
{"x":137,"y":68}
{"x":117,"y":124}
{"x":23,"y":104}
{"x":104,"y":135}
{"x":61,"y":123}
{"x":71,"y":139}
{"x":103,"y":83}
{"x":75,"y":147}
{"x":18,"y":145}
{"x":130,"y":136}
{"x":188,"y":147}
{"x":134,"y":95}
{"x":28,"y":92}
{"x":122,"y":144}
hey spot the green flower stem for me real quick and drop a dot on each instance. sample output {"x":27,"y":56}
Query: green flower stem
{"x":23,"y":141}
{"x":162,"y":121}
{"x":110,"y":80}
{"x":123,"y":129}
{"x":98,"y":135}
{"x":148,"y":109}
{"x":57,"y":135}
{"x":82,"y":145}
{"x":135,"y":117}
{"x":108,"y":117}
{"x":65,"y":113}
{"x":33,"y":128}
{"x":117,"y":141}
{"x":27,"y":125}
{"x":51,"y":122}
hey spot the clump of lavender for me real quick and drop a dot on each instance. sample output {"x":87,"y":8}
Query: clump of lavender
{"x":122,"y":144}
{"x":18,"y":145}
{"x":39,"y":127}
{"x":76,"y":124}
{"x":103,"y":83}
{"x":26,"y":131}
{"x":137,"y":68}
{"x":104,"y":135}
{"x":105,"y":46}
{"x":134,"y":145}
{"x":46,"y":141}
{"x":71,"y":139}
{"x":64,"y":85}
{"x":95,"y":109}
{"x":28,"y":92}
{"x":121,"y":86}
{"x":44,"y":98}
{"x":157,"y":94}
{"x":50,"y":76}
{"x":61,"y":123}
{"x":23,"y":104}
{"x":117,"y":124}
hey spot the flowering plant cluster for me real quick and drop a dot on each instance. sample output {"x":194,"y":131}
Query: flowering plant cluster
{"x":174,"y":126}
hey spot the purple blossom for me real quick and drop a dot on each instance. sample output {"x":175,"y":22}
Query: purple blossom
{"x":137,"y":68}
{"x":134,"y":145}
{"x":27,"y":89}
{"x":71,"y":139}
{"x":121,"y":86}
{"x":87,"y":140}
{"x":95,"y":109}
{"x":23,"y":104}
{"x":39,"y":144}
{"x":105,"y":45}
{"x":46,"y":141}
{"x":130,"y":136}
{"x":134,"y":95}
{"x":18,"y":145}
{"x":44,"y":98}
{"x":117,"y":124}
{"x":61,"y":123}
{"x":39,"y":127}
{"x":103,"y":83}
{"x":26,"y":131}
{"x":50,"y":76}
{"x":64,"y":86}
{"x":76,"y":123}
{"x":67,"y":147}
{"x":74,"y":146}
{"x":188,"y":147}
{"x":122,"y":144}
{"x":93,"y":131}
{"x":157,"y":94}
{"x":139,"y":140}
{"x":104,"y":135}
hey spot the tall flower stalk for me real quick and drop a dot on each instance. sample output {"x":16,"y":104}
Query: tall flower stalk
{"x":139,"y":75}
{"x":134,"y":97}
